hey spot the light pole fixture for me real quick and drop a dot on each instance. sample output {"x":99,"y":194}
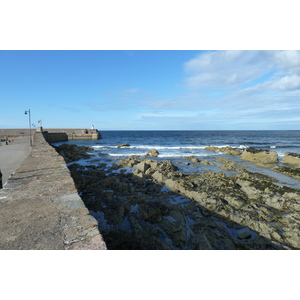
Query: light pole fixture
{"x":40,"y":121}
{"x":28,"y":112}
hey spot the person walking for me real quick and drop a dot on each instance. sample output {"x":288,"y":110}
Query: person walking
{"x":1,"y":185}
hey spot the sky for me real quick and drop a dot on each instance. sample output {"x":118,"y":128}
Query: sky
{"x":151,"y":90}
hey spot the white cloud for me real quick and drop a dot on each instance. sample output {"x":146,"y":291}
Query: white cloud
{"x":287,"y":61}
{"x":226,"y":69}
{"x":231,"y":69}
{"x":287,"y":83}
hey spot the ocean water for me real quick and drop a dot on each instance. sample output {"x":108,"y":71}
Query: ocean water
{"x":179,"y":144}
{"x":176,"y":145}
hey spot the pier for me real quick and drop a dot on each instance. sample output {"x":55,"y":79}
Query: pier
{"x":40,"y":205}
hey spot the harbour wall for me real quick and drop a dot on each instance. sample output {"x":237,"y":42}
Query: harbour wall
{"x":59,"y":135}
{"x":54,"y":135}
{"x":43,"y":177}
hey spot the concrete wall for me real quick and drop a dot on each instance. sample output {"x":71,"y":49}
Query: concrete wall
{"x":72,"y":134}
{"x":52,"y":137}
{"x":42,"y":207}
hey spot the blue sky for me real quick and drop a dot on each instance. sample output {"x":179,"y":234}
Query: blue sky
{"x":151,"y":90}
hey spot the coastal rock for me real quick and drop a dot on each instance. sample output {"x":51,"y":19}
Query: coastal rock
{"x":142,"y":166}
{"x":244,"y":234}
{"x":73,"y":152}
{"x":193,"y":159}
{"x":207,"y":163}
{"x":259,"y":156}
{"x":138,"y":173}
{"x":159,"y":177}
{"x":158,"y":207}
{"x":229,"y":165}
{"x":124,"y":145}
{"x":290,"y":171}
{"x":228,"y":150}
{"x":293,"y":239}
{"x":153,"y":153}
{"x":291,"y":158}
{"x":167,"y":166}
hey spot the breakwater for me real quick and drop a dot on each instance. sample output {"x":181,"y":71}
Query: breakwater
{"x":41,"y":208}
{"x":56,"y":134}
{"x":60,"y":135}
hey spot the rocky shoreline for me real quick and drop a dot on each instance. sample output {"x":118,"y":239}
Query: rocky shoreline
{"x":142,"y":203}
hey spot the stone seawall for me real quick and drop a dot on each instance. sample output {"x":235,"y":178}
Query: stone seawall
{"x":55,"y":137}
{"x":41,"y":208}
{"x":77,"y":134}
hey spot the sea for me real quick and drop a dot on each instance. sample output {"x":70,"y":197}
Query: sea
{"x":176,"y":145}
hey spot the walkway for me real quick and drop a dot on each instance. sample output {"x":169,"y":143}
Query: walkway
{"x":12,"y":155}
{"x":40,"y":207}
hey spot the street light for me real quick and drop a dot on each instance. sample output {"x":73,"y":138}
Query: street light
{"x":28,"y":112}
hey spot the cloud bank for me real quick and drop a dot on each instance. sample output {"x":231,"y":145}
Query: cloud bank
{"x":220,"y":90}
{"x":251,"y":89}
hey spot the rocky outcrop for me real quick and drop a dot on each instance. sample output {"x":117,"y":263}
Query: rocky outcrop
{"x":245,"y":199}
{"x":153,"y":153}
{"x":193,"y":159}
{"x":73,"y":152}
{"x":291,"y":158}
{"x":124,"y":145}
{"x":289,"y":171}
{"x":228,"y":150}
{"x":260,"y":157}
{"x":228,"y":164}
{"x":154,"y":206}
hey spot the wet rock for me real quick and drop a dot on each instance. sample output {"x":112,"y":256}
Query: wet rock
{"x":244,"y":234}
{"x":207,"y":163}
{"x":134,"y":206}
{"x":291,"y":158}
{"x":142,"y":166}
{"x":138,"y":173}
{"x":159,"y":177}
{"x":229,"y":165}
{"x":260,"y":157}
{"x":227,"y":150}
{"x":247,"y":188}
{"x":293,"y":238}
{"x":153,"y":211}
{"x":290,"y":171}
{"x":193,"y":159}
{"x":166,"y":166}
{"x":73,"y":152}
{"x":153,"y":153}
{"x":124,"y":145}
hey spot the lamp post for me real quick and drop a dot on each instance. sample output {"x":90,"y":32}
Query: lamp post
{"x":28,"y":112}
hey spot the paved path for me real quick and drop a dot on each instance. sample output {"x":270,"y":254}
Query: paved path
{"x":12,"y":155}
{"x":39,"y":205}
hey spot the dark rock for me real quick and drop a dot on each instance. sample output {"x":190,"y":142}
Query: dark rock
{"x":153,"y":153}
{"x":73,"y":152}
{"x":193,"y":159}
{"x":124,"y":145}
